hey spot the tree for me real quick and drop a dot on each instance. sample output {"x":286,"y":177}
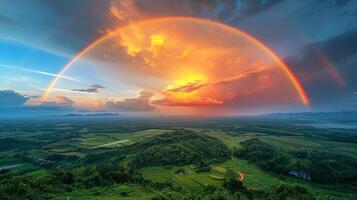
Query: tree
{"x":231,"y":181}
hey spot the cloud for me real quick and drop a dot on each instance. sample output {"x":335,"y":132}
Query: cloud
{"x":196,"y":93}
{"x":37,"y":72}
{"x":97,"y":86}
{"x":59,"y":101}
{"x":327,"y":68}
{"x":13,"y":104}
{"x":93,"y":18}
{"x":126,"y":10}
{"x":53,"y":75}
{"x":186,"y":100}
{"x":333,"y":2}
{"x":250,"y":8}
{"x":9,"y":99}
{"x":339,"y":48}
{"x":66,"y":26}
{"x":91,"y":89}
{"x":7,"y":20}
{"x":88,"y":90}
{"x":139,"y":104}
{"x":320,"y":56}
{"x":63,"y":100}
{"x":189,"y":87}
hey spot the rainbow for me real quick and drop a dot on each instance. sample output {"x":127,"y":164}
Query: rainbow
{"x":299,"y":88}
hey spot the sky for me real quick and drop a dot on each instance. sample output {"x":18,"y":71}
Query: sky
{"x":317,"y":39}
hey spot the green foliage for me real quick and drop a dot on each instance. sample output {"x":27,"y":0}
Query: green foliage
{"x":231,"y":181}
{"x":167,"y":195}
{"x":11,"y":143}
{"x":179,"y":148}
{"x":283,"y":192}
{"x":329,"y":168}
{"x":203,"y":166}
{"x":59,"y":158}
{"x":57,"y":163}
{"x":265,"y":156}
{"x":104,"y":156}
{"x":180,"y":171}
{"x":322,"y":167}
{"x":34,"y":185}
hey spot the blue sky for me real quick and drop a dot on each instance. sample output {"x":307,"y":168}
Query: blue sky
{"x":21,"y":66}
{"x":41,"y":36}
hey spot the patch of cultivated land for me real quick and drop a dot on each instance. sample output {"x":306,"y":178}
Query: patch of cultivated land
{"x":95,"y":140}
{"x":256,"y":178}
{"x":111,"y":144}
{"x":63,"y":143}
{"x":190,"y":180}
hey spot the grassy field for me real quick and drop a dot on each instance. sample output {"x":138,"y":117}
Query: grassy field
{"x":115,"y":192}
{"x":70,"y":139}
{"x":255,"y":178}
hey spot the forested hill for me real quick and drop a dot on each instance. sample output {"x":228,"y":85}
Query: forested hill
{"x":179,"y":148}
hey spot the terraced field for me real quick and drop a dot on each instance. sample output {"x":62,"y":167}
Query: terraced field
{"x":70,"y":146}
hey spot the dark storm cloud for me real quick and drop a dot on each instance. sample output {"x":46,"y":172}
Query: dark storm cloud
{"x":341,"y":2}
{"x":91,"y":89}
{"x":214,"y":9}
{"x":12,"y":104}
{"x":9,"y":98}
{"x":335,"y":2}
{"x":139,"y":104}
{"x":316,"y":64}
{"x":250,"y":8}
{"x":337,"y":51}
{"x":81,"y":20}
{"x":203,"y":5}
{"x":7,"y":20}
{"x":57,"y":26}
{"x":67,"y":26}
{"x":341,"y":47}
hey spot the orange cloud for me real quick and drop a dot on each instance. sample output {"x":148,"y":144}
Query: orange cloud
{"x":124,"y":10}
{"x":195,"y":93}
{"x":192,"y":64}
{"x":139,"y":104}
{"x":188,"y":87}
{"x":63,"y":100}
{"x":186,"y":99}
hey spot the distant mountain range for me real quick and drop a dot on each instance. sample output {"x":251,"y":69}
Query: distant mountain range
{"x":93,"y":115}
{"x":336,"y":116}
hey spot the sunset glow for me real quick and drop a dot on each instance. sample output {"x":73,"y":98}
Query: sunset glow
{"x":191,"y":70}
